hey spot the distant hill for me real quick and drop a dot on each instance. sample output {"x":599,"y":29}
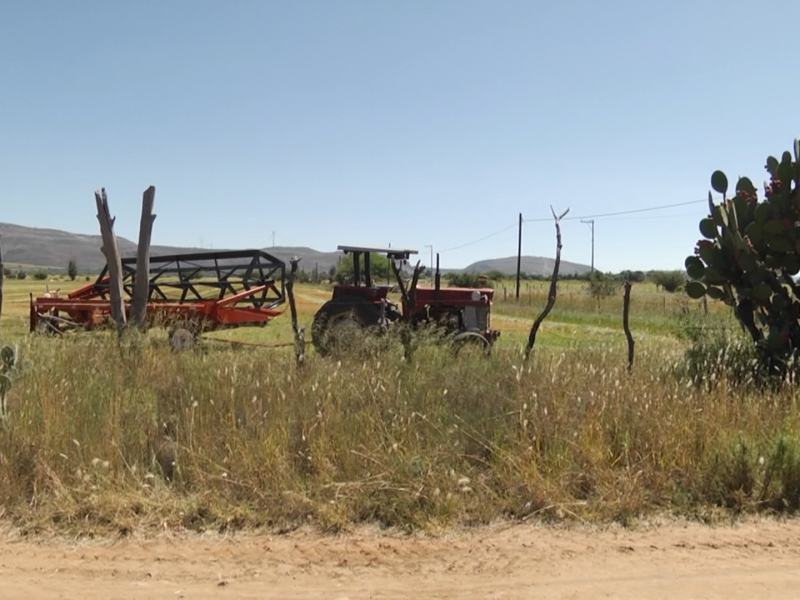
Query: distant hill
{"x":533,"y":265}
{"x":52,"y":249}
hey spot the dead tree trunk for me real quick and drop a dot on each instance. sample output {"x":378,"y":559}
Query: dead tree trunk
{"x":299,"y":332}
{"x":398,"y":276}
{"x":141,"y":290}
{"x":551,"y":300}
{"x":408,"y":294}
{"x":409,"y":299}
{"x":626,"y":305}
{"x":111,"y":252}
{"x":412,"y":292}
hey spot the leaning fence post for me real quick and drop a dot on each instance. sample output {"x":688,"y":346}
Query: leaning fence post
{"x":299,"y":332}
{"x":1,"y":281}
{"x":626,"y":303}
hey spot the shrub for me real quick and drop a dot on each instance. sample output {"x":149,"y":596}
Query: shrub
{"x":718,"y":349}
{"x":40,"y":275}
{"x":632,"y":276}
{"x":303,"y":276}
{"x":602,"y":285}
{"x":669,"y":281}
{"x":467,"y":280}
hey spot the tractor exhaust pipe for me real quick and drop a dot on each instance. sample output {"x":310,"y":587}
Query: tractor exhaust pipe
{"x":438,"y":277}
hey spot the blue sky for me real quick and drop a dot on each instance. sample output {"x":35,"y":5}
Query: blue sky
{"x":407,"y":123}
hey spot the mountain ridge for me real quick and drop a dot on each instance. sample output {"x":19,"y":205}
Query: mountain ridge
{"x":51,"y":249}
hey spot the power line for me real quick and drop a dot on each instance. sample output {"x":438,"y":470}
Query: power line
{"x":590,"y":223}
{"x":479,"y":240}
{"x":622,"y":212}
{"x":580,"y":217}
{"x":651,"y":217}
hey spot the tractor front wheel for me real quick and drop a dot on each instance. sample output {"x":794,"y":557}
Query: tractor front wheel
{"x":471,"y":342}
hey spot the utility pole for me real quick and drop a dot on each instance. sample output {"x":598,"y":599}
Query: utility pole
{"x":430,"y":267}
{"x":519,"y":253}
{"x":590,"y":223}
{"x":273,"y":239}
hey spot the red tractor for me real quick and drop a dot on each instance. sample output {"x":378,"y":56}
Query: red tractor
{"x":462,"y":313}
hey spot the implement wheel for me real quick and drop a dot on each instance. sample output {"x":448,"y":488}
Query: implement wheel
{"x":181,"y":339}
{"x":341,"y":324}
{"x":184,"y":335}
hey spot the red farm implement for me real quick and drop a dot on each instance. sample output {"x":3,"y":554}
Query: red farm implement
{"x":189,"y":293}
{"x":463,"y":314}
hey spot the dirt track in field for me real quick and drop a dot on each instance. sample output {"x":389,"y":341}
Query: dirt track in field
{"x":753,"y":560}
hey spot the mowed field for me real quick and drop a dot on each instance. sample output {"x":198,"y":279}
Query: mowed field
{"x":577,"y":319}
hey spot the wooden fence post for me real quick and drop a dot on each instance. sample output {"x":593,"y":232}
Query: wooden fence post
{"x":141,"y":291}
{"x":1,"y":282}
{"x":299,"y":332}
{"x":111,"y":252}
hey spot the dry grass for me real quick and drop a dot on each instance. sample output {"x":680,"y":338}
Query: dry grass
{"x":424,"y":444}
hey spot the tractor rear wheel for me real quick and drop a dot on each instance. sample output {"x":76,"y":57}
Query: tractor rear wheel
{"x":340,"y":324}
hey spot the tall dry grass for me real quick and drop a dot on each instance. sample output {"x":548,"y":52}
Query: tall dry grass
{"x":415,"y":444}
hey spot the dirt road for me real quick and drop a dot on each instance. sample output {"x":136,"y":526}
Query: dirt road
{"x":753,"y":560}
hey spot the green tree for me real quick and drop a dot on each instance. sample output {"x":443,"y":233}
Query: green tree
{"x":379,"y":267}
{"x":72,"y":269}
{"x":496,"y":275}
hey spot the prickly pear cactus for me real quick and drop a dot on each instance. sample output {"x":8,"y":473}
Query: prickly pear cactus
{"x":5,"y":386}
{"x":8,"y":359}
{"x":8,"y":369}
{"x":750,"y":254}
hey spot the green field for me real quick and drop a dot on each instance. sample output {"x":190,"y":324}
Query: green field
{"x":576,"y":319}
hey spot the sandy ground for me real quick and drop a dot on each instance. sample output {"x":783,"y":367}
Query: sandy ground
{"x":753,"y":560}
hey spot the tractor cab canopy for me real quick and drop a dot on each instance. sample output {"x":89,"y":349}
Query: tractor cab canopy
{"x":359,"y":251}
